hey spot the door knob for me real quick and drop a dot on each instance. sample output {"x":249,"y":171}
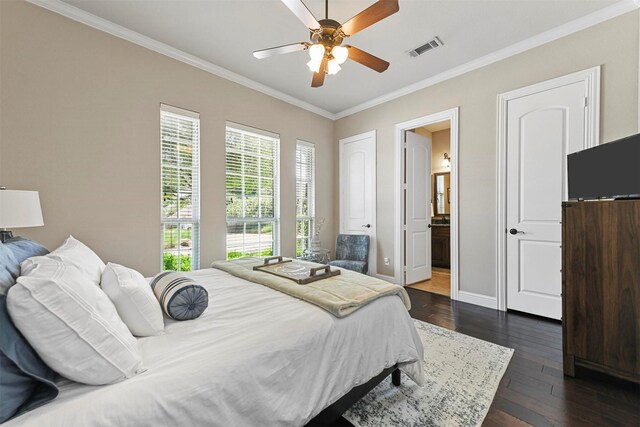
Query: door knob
{"x":514,"y":231}
{"x":367,"y":226}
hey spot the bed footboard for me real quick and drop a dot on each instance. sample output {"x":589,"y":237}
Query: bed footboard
{"x":331,"y":413}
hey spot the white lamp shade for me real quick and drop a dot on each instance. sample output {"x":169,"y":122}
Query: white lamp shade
{"x":316,"y":51}
{"x":314,"y":65}
{"x":20,"y":209}
{"x":333,"y":67}
{"x":340,"y":54}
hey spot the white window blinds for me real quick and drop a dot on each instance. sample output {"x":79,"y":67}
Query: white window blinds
{"x":305,"y":196}
{"x":252,"y":192}
{"x":180,"y":187}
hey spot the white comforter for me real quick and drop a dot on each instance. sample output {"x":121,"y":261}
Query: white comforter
{"x":256,"y":357}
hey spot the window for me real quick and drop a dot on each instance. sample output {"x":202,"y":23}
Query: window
{"x":252,"y":192}
{"x":180,"y":186}
{"x":305,"y":196}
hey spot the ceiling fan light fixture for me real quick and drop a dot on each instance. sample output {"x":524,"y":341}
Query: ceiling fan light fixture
{"x":314,"y":65}
{"x":326,"y":36}
{"x":316,"y":52}
{"x":333,"y":67}
{"x":340,"y":54}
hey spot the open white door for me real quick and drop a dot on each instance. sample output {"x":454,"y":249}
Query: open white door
{"x":542,"y":128}
{"x":357,"y":189}
{"x":418,"y":207}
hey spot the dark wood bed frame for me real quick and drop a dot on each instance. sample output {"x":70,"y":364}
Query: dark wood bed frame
{"x":331,"y":413}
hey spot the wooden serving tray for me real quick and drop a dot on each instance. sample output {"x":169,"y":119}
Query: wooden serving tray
{"x":300,"y":273}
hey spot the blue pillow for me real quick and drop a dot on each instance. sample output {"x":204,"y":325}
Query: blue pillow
{"x":9,"y":269}
{"x":25,"y":380}
{"x":24,"y":248}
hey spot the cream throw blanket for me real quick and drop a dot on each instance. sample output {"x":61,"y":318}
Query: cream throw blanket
{"x":339,"y":295}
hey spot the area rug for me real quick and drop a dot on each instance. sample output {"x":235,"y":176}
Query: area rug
{"x":462,"y":376}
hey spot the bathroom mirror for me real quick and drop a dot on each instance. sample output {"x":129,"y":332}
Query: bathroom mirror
{"x":441,"y":193}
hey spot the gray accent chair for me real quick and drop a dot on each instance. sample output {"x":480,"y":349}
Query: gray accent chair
{"x":352,"y":252}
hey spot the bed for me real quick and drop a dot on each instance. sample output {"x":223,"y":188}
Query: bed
{"x":255,"y":357}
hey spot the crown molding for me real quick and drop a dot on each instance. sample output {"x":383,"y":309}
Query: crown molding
{"x":109,"y":27}
{"x":114,"y":29}
{"x":571,"y":27}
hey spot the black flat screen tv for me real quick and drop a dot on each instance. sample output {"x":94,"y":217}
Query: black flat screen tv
{"x":608,"y":171}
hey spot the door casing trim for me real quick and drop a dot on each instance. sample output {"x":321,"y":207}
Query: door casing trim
{"x":591,"y":78}
{"x":451,"y":115}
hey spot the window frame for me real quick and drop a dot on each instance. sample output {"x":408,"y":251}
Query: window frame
{"x":194,"y":220}
{"x":311,"y":200}
{"x":275,"y":219}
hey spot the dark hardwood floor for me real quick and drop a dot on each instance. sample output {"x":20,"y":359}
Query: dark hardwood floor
{"x":534,"y":390}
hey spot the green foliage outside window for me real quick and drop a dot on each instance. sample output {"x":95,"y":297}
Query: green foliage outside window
{"x":237,"y":254}
{"x":171,"y":262}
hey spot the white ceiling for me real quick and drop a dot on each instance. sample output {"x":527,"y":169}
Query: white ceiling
{"x":226,"y":32}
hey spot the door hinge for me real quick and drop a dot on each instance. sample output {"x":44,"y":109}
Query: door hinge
{"x":404,"y":227}
{"x":586,"y":101}
{"x":404,"y":186}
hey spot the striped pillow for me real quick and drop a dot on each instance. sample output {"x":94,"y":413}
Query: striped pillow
{"x":180,"y":297}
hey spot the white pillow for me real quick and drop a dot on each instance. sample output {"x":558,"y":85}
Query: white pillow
{"x":72,"y":252}
{"x":72,"y":324}
{"x":132,"y":295}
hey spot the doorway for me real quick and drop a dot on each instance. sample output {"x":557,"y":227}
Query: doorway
{"x":439,"y":189}
{"x":439,"y":209}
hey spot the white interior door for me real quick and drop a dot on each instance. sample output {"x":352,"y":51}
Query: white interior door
{"x":357,"y":189}
{"x":418,"y":207}
{"x":542,"y":128}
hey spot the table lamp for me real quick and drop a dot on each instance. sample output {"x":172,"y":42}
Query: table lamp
{"x":18,"y":209}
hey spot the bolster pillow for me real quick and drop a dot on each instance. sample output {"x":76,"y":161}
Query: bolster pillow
{"x":180,"y":297}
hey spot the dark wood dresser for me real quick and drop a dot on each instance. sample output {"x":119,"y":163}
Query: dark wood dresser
{"x":601,"y":287}
{"x":440,"y":246}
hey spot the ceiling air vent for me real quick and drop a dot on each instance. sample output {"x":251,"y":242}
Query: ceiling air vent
{"x":430,"y":45}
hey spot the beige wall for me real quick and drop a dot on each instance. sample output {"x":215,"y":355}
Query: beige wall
{"x":614,"y":44}
{"x":80,"y":124}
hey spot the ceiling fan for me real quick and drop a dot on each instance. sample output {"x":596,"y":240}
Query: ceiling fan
{"x":326,"y":50}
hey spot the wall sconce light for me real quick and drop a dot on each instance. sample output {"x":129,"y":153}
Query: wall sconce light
{"x":447,"y":160}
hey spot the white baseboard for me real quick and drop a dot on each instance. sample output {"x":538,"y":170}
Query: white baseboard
{"x":389,"y":279}
{"x":477,"y":299}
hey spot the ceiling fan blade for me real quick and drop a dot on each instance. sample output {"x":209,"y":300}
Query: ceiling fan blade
{"x":318,"y":78}
{"x":366,"y":59}
{"x":279,"y":50}
{"x":300,"y":10}
{"x":374,"y":13}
